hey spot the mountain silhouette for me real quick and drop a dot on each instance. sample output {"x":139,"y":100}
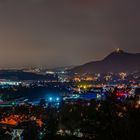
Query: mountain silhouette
{"x":117,"y":61}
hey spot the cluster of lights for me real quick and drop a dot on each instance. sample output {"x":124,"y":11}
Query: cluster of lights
{"x":51,"y":99}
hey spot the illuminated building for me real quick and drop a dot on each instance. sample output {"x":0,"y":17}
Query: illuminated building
{"x":122,"y":75}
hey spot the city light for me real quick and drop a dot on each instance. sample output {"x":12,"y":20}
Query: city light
{"x":50,"y":99}
{"x":54,"y":99}
{"x":57,"y":99}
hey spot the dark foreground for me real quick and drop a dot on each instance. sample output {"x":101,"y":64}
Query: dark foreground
{"x":81,"y":120}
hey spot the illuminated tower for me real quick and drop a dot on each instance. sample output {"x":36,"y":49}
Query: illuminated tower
{"x":118,"y":50}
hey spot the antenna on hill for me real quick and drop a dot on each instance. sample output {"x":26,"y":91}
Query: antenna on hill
{"x":118,"y":50}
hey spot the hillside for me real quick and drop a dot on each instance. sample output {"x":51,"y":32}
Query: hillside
{"x":117,"y":61}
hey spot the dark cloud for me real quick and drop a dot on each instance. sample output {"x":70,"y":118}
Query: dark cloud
{"x":66,"y":32}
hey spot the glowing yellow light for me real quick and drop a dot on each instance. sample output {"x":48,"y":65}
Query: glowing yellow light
{"x":85,"y":87}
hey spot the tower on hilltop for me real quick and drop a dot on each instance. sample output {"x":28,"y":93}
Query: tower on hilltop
{"x":118,"y":50}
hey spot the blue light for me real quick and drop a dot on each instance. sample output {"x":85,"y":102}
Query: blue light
{"x":50,"y":99}
{"x":57,"y":99}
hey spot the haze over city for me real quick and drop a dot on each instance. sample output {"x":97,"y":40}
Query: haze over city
{"x":66,"y":32}
{"x":69,"y":69}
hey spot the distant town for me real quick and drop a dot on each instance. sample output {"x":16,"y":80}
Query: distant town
{"x":39,"y":103}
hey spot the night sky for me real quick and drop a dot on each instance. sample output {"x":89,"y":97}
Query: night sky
{"x":66,"y":32}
